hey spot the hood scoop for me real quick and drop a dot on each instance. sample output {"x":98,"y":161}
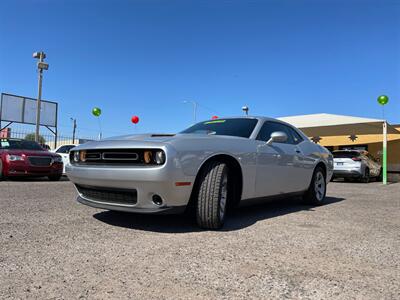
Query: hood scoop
{"x":162,"y":135}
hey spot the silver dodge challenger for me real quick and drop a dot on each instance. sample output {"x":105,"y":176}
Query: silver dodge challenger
{"x":207,"y":168}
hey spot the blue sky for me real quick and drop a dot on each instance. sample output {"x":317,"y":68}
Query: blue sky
{"x":145,"y":57}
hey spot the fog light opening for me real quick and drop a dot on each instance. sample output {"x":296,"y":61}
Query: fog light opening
{"x":157,"y":200}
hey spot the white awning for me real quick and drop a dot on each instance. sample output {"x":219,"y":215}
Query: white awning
{"x":332,"y":125}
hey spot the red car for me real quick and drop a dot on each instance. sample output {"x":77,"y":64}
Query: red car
{"x":27,"y":158}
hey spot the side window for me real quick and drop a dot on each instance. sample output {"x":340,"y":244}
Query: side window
{"x":63,"y":149}
{"x":296,"y":136}
{"x":269,"y":127}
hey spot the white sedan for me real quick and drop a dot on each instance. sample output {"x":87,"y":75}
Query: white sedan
{"x":64,"y":152}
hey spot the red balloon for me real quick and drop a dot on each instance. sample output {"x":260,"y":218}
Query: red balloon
{"x":214,"y":117}
{"x":135,"y":119}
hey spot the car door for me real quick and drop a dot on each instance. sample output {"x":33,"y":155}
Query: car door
{"x":278,"y":164}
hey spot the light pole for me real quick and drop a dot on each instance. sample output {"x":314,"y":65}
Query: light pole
{"x":194,"y":108}
{"x":383,"y":100}
{"x":41,"y":65}
{"x":73,"y":130}
{"x":245,"y":109}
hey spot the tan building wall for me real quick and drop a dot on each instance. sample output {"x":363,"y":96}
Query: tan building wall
{"x":374,"y":143}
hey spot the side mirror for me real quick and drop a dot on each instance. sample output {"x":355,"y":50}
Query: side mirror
{"x":277,"y":137}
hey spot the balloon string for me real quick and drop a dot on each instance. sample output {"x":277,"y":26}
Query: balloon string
{"x":100,"y":135}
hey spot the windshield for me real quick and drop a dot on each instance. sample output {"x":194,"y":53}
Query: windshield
{"x":233,"y":127}
{"x":345,"y":154}
{"x":65,"y":149}
{"x":19,"y":145}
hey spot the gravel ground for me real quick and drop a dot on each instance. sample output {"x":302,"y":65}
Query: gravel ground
{"x":52,"y":247}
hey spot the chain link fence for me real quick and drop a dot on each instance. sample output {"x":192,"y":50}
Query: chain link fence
{"x":48,"y":139}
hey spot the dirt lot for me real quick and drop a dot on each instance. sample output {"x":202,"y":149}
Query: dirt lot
{"x":53,"y":247}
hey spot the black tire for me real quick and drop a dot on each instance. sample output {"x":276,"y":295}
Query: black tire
{"x":366,"y":177}
{"x":380,"y":176}
{"x":1,"y":170}
{"x":54,"y":177}
{"x":316,"y":192}
{"x":212,"y":194}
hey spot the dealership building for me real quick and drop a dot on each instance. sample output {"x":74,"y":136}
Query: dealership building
{"x":337,"y":132}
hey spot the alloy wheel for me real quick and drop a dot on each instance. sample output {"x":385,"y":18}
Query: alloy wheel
{"x":319,"y":186}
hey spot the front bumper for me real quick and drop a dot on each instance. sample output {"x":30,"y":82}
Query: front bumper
{"x":24,"y":169}
{"x":145,"y":181}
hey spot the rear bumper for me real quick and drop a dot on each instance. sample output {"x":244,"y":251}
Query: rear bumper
{"x":347,"y":173}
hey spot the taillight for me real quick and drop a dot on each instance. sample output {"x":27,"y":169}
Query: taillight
{"x":356,"y":158}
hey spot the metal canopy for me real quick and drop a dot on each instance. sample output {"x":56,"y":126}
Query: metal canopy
{"x":337,"y":125}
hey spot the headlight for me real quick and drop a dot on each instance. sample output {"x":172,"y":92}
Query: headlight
{"x":160,"y":157}
{"x":57,"y":159}
{"x":148,"y":157}
{"x":154,"y":157}
{"x":76,"y":156}
{"x":15,"y":158}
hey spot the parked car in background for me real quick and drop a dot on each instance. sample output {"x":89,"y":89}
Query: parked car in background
{"x":27,"y":158}
{"x":208,"y":167}
{"x":45,"y":146}
{"x":64,"y":152}
{"x":356,"y":164}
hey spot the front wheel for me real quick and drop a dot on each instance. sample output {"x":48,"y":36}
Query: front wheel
{"x":212,"y":196}
{"x":1,"y":170}
{"x":316,"y":192}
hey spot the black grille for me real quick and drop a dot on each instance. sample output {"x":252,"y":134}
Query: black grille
{"x":109,"y":195}
{"x":114,"y":157}
{"x":40,"y":161}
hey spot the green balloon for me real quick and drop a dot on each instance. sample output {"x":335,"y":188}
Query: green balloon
{"x":96,"y":112}
{"x":383,"y":99}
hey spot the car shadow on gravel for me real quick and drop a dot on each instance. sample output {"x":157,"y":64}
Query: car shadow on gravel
{"x":34,"y":179}
{"x":237,"y":219}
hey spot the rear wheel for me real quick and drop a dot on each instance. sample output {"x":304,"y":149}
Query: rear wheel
{"x":212,"y":196}
{"x":380,"y":176}
{"x":54,"y":177}
{"x":316,"y":192}
{"x":366,"y":176}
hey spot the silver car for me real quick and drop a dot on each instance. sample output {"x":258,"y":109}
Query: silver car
{"x":356,"y":164}
{"x":205,"y":169}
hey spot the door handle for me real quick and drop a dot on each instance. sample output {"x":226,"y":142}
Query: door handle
{"x":298,"y":151}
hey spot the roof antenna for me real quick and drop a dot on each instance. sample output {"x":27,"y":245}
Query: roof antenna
{"x":246,"y":110}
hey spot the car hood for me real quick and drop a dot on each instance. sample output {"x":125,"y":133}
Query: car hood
{"x":30,"y":152}
{"x":149,"y":140}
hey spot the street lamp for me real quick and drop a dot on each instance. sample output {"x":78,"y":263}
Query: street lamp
{"x":246,"y":110}
{"x":194,"y":108}
{"x":41,"y":65}
{"x":73,"y":130}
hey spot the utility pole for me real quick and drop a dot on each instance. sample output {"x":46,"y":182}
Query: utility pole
{"x":41,"y":65}
{"x":73,"y":130}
